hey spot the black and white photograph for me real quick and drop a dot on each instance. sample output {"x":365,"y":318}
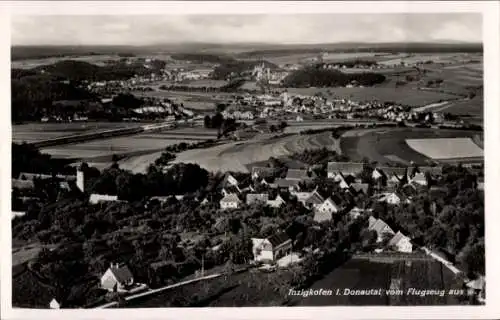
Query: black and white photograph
{"x":247,"y":160}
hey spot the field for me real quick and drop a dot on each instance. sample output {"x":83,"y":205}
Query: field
{"x":438,"y":58}
{"x":235,"y":156}
{"x":200,"y":101}
{"x":99,"y":60}
{"x":446,"y":148}
{"x":34,"y":132}
{"x":359,"y":274}
{"x":204,"y":83}
{"x":387,"y":145}
{"x":99,"y":152}
{"x":403,"y":95}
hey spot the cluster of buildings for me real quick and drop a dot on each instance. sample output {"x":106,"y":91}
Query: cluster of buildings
{"x":266,"y":74}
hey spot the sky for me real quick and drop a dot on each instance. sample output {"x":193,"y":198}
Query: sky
{"x":277,"y":29}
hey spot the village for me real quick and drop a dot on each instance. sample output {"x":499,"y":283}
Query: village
{"x":356,"y":185}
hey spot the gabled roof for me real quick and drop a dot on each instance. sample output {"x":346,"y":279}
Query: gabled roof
{"x":231,"y":189}
{"x":256,"y":197}
{"x":397,"y":237}
{"x":477,"y":284}
{"x":345,"y":167}
{"x":278,"y":238}
{"x":315,"y":198}
{"x":229,"y":180}
{"x":122,"y":273}
{"x":230,"y":198}
{"x":379,"y":226}
{"x":371,"y":221}
{"x":296,"y":174}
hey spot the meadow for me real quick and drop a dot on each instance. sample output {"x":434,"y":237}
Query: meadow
{"x":402,"y":95}
{"x":33,"y":132}
{"x":236,"y":156}
{"x":446,"y":148}
{"x":144,"y":147}
{"x":389,"y":146}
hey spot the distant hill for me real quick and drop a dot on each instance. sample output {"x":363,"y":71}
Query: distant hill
{"x":241,"y":49}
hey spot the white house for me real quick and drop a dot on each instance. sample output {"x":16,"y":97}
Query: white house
{"x":419,"y":178}
{"x":401,"y":243}
{"x":229,"y":180}
{"x":380,"y":227}
{"x":326,"y":210}
{"x":391,"y":198}
{"x":276,"y":203}
{"x":272,"y":248}
{"x":230,"y":201}
{"x":117,"y":278}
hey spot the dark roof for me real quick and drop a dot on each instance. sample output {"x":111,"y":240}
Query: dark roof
{"x":283,"y":183}
{"x":122,"y":273}
{"x":296,"y":174}
{"x":391,"y":171}
{"x":22,"y":184}
{"x":278,"y":239}
{"x":358,"y":187}
{"x":346,"y":167}
{"x":256,"y":197}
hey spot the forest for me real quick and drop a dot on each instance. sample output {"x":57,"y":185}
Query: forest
{"x":316,"y":76}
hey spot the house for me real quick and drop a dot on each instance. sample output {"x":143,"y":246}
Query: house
{"x":346,"y":168}
{"x":297,"y":175}
{"x":400,"y":243}
{"x":419,"y":178}
{"x":262,"y":172}
{"x":276,"y":203}
{"x":22,"y":184}
{"x":272,"y":248}
{"x":256,"y":198}
{"x":117,"y":278}
{"x":355,"y":212}
{"x":391,"y":198}
{"x":477,"y":287}
{"x":315,"y":200}
{"x":302,"y":197}
{"x":357,"y":188}
{"x":394,"y":174}
{"x":229,"y":180}
{"x":380,"y":227}
{"x":99,"y":198}
{"x":54,"y":304}
{"x":230,"y":190}
{"x":230,"y":201}
{"x":325,"y":211}
{"x":283,"y":184}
